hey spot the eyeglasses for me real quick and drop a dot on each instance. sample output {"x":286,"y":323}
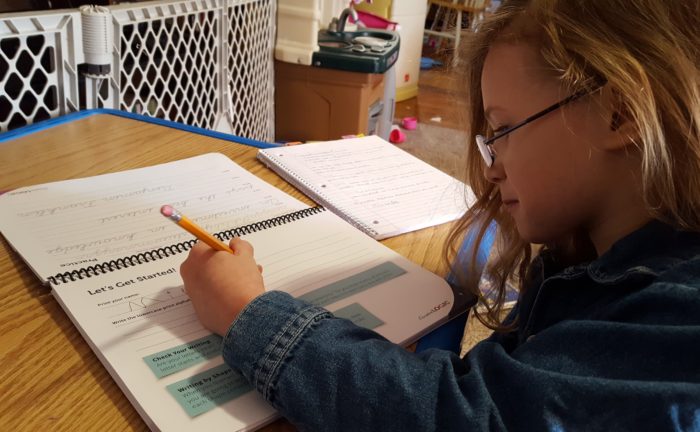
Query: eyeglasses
{"x":486,"y":145}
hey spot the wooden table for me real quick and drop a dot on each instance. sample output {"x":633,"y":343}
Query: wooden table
{"x":49,"y":377}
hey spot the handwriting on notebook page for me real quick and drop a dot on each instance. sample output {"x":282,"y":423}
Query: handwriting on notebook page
{"x":118,"y":214}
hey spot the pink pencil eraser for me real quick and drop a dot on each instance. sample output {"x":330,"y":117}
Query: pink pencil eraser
{"x":167,"y":211}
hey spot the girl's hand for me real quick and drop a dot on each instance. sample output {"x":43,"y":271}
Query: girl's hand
{"x":221,"y":284}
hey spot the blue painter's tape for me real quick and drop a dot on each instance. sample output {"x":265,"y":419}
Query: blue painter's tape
{"x":47,"y":124}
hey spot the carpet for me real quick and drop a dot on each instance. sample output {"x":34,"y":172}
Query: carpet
{"x":441,"y":147}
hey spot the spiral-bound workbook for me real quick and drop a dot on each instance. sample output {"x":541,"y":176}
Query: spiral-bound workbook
{"x":112,"y":261}
{"x":370,"y":183}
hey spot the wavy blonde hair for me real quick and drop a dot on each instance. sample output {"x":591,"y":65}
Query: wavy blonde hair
{"x":648,"y":53}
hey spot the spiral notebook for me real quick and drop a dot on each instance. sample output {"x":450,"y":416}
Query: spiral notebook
{"x":112,"y":262}
{"x":380,"y":189}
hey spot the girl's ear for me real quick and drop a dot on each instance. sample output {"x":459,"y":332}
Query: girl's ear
{"x":622,"y":129}
{"x":615,"y":121}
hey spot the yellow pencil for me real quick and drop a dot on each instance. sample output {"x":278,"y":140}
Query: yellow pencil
{"x":194,"y":229}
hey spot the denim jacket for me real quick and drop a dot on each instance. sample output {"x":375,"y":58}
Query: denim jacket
{"x":609,"y":345}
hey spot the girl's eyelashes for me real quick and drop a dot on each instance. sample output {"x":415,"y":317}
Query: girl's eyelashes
{"x":500,"y":129}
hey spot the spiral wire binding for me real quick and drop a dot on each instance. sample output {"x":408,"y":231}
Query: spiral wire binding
{"x":289,"y":175}
{"x":168,"y":251}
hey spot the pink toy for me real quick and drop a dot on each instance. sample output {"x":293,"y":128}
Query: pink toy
{"x":375,"y":21}
{"x":409,"y":123}
{"x":396,"y":136}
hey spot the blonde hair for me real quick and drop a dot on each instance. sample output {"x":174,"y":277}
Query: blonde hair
{"x":648,"y":53}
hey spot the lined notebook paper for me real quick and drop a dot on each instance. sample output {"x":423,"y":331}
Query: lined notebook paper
{"x":375,"y":186}
{"x":112,"y":261}
{"x":69,"y":224}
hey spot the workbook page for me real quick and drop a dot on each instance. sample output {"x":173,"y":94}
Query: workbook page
{"x":141,"y":323}
{"x":143,"y":328}
{"x":63,"y":226}
{"x":372,"y":183}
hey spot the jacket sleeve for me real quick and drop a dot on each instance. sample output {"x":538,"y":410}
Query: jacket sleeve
{"x":324,"y":373}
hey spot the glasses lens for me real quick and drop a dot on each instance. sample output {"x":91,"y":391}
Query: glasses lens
{"x":484,"y":150}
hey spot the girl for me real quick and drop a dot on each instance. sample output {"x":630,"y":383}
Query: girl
{"x":586,"y":118}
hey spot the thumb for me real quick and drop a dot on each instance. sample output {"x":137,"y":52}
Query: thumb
{"x":241,"y":247}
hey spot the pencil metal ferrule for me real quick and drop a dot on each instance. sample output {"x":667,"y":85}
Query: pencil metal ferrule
{"x":176,"y":216}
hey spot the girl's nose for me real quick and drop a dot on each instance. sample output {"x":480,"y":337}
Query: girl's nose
{"x":495,"y":173}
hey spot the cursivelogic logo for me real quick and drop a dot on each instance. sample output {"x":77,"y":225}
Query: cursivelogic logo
{"x":435,"y":309}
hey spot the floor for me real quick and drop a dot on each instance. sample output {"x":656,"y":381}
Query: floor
{"x":439,"y":107}
{"x":440,"y":94}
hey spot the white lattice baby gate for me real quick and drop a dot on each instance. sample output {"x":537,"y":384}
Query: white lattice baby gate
{"x":206,"y":63}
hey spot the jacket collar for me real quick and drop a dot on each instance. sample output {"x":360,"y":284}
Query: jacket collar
{"x":646,"y":252}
